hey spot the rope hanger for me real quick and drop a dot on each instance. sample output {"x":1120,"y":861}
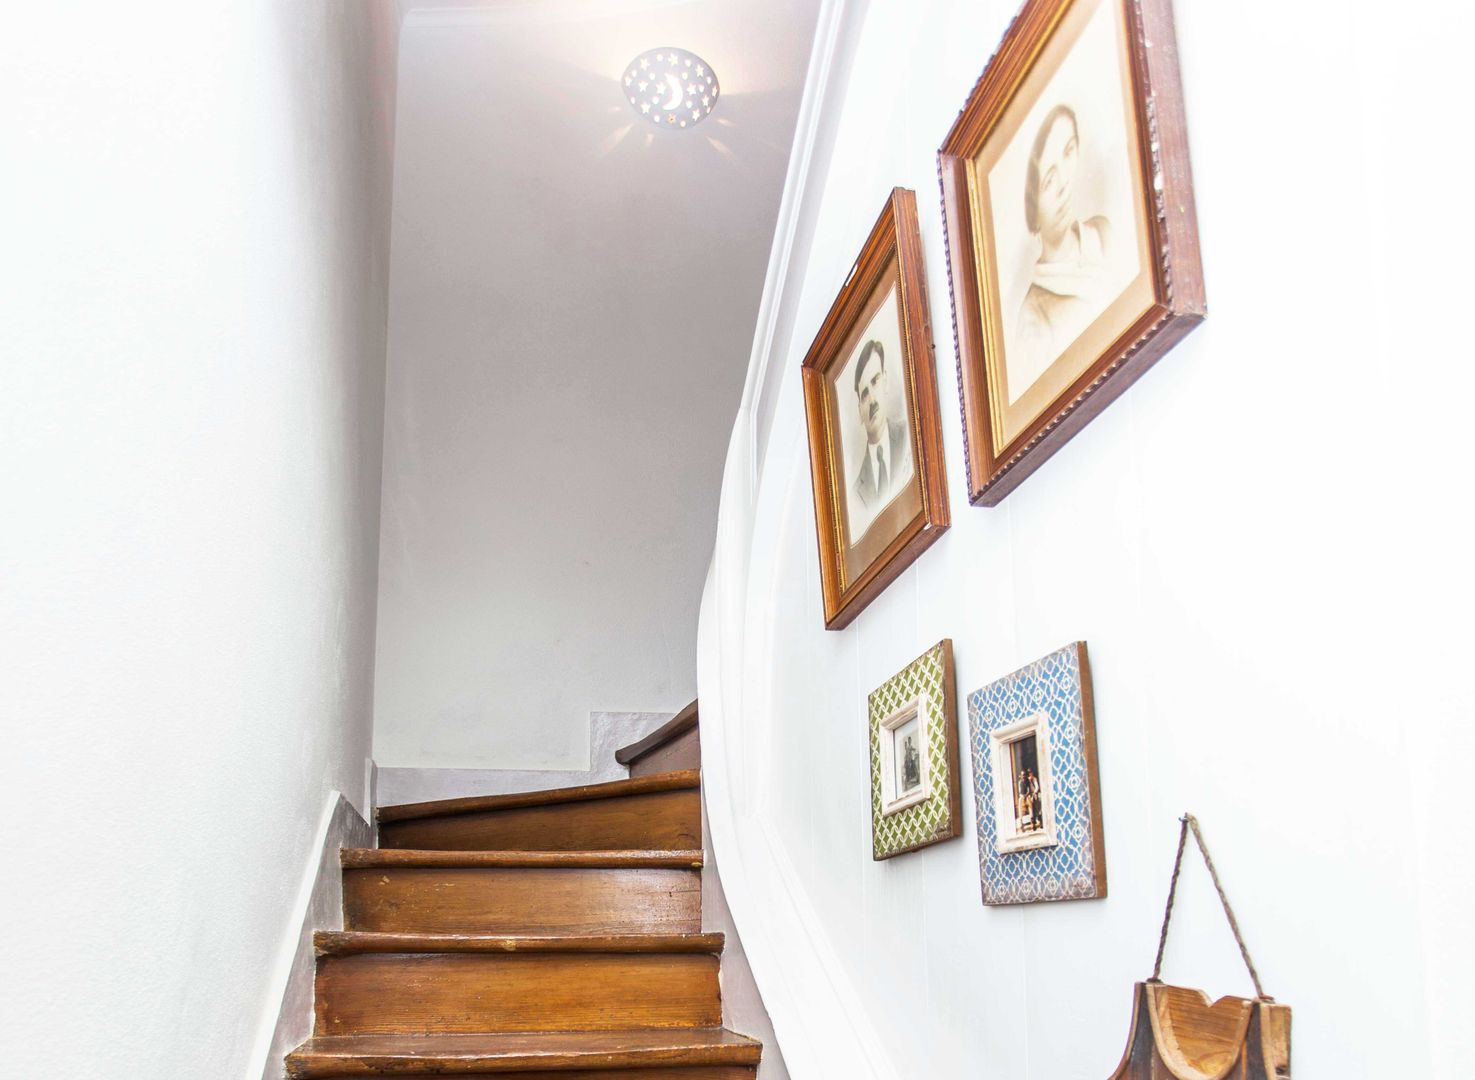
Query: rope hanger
{"x":1190,"y":822}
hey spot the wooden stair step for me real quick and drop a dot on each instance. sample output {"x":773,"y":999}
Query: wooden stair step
{"x":354,"y":943}
{"x":522,"y":893}
{"x":472,"y":992}
{"x":660,"y":811}
{"x":676,"y":1054}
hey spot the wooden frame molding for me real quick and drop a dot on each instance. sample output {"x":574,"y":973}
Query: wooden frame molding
{"x":997,"y":464}
{"x":895,"y":240}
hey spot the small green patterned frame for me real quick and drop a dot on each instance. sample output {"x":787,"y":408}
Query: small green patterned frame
{"x":927,"y":687}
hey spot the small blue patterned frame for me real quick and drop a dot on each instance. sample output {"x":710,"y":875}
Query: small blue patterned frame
{"x":1056,"y":688}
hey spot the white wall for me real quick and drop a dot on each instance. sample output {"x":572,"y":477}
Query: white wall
{"x":191,"y":395}
{"x":571,"y":299}
{"x":1265,"y":544}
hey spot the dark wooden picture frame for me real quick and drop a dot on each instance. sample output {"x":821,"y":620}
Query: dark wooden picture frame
{"x":1001,"y":451}
{"x":854,"y":570}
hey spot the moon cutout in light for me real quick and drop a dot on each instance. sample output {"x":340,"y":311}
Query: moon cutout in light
{"x":671,"y":88}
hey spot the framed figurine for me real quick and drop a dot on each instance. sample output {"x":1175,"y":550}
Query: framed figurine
{"x":875,"y":438}
{"x":916,"y":799}
{"x":1071,"y":233}
{"x":1036,"y":793}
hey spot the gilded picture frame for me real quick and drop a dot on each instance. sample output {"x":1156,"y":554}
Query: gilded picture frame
{"x":875,"y":434}
{"x":1071,"y":231}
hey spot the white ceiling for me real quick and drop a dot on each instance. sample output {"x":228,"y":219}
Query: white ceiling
{"x":521,"y":161}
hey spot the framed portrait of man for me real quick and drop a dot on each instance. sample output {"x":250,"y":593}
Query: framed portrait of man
{"x":1070,"y":224}
{"x":875,"y":439}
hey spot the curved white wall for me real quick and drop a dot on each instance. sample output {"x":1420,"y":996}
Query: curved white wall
{"x":193,"y":281}
{"x":1265,"y":543}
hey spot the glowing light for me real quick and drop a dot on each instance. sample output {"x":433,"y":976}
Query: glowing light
{"x":687,"y":89}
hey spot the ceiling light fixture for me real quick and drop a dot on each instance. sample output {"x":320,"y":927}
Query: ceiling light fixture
{"x":672,"y":88}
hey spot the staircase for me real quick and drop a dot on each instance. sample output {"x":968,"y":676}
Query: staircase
{"x":542,"y":936}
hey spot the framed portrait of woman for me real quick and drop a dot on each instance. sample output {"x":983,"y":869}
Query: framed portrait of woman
{"x":1070,"y":225}
{"x":875,"y":438}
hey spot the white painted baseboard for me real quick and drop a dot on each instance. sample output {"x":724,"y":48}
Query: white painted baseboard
{"x":319,"y":906}
{"x":608,"y":731}
{"x":743,"y":1008}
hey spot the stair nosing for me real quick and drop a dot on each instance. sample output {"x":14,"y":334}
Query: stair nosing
{"x":360,"y":942}
{"x":388,"y":858}
{"x":326,"y":1056}
{"x":678,"y":780}
{"x":667,"y":733}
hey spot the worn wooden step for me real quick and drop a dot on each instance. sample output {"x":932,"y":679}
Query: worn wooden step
{"x":662,"y":811}
{"x":674,"y":1054}
{"x":529,"y":893}
{"x":408,"y":983}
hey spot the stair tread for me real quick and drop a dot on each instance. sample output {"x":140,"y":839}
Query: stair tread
{"x":350,"y":942}
{"x":403,"y":1055}
{"x":669,"y":781}
{"x":376,"y":858}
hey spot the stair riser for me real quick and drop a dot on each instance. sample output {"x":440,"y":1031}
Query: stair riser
{"x":387,"y":994}
{"x":523,"y":901}
{"x":692,"y":1072}
{"x":715,"y":1072}
{"x":656,"y":821}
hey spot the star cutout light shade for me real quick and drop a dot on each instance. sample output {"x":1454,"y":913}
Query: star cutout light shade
{"x":672,"y":88}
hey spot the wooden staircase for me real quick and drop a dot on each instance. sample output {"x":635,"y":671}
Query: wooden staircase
{"x":552,"y":935}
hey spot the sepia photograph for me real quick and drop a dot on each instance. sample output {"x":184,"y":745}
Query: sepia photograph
{"x":905,"y":771}
{"x":870,"y":406}
{"x":1064,"y":221}
{"x":1023,"y":795}
{"x":1073,"y":270}
{"x":875,"y":432}
{"x":907,"y":742}
{"x":1024,"y":767}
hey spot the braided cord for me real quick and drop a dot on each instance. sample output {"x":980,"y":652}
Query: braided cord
{"x":1189,"y":822}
